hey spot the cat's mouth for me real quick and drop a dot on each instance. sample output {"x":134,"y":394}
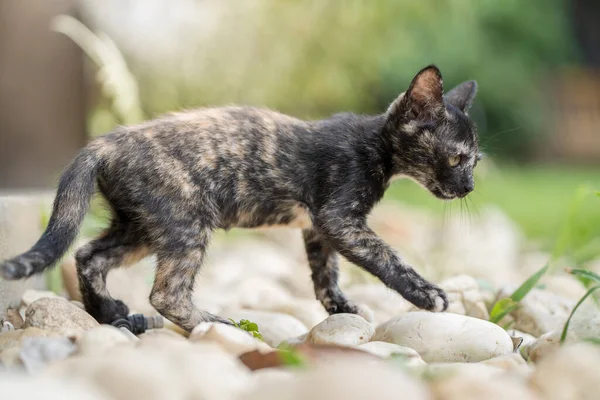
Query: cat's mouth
{"x":441,"y":194}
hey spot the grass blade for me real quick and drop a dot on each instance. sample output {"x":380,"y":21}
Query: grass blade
{"x":584,"y":273}
{"x":529,"y":284}
{"x":507,"y":305}
{"x":563,"y":336}
{"x":502,"y":308}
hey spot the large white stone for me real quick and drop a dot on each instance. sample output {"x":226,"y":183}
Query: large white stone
{"x":445,"y":337}
{"x":343,"y":330}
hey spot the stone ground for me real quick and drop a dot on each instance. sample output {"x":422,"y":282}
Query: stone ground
{"x":50,"y":348}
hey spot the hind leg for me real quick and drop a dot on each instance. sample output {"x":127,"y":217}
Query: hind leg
{"x":116,"y":247}
{"x":178,"y":265}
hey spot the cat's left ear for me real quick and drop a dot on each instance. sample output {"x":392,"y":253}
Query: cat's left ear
{"x":462,"y":95}
{"x":424,"y":99}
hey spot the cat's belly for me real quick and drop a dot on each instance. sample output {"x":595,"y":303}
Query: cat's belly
{"x":295,"y":216}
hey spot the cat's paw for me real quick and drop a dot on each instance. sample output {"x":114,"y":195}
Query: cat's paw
{"x":429,"y":297}
{"x":121,"y":309}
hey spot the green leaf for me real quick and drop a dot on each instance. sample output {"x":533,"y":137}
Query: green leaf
{"x":529,"y":284}
{"x":584,"y":273}
{"x":509,"y":304}
{"x":593,"y":340}
{"x":502,"y":308}
{"x":248,"y":326}
{"x":291,"y":357}
{"x":598,"y":193}
{"x":563,"y":336}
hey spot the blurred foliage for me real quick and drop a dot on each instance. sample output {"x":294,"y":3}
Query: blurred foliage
{"x":539,"y":198}
{"x":314,"y":58}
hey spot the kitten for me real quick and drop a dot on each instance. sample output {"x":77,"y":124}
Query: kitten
{"x":172,"y":181}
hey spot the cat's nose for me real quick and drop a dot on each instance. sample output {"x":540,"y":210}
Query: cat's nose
{"x":469,"y":186}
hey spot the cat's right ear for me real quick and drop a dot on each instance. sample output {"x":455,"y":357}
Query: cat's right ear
{"x":424,"y":99}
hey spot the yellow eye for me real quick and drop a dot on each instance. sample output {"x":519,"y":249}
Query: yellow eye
{"x":453,"y":161}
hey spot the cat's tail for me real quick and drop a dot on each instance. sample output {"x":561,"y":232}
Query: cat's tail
{"x":75,"y":189}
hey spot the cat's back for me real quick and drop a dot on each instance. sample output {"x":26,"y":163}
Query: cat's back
{"x":221,"y":123}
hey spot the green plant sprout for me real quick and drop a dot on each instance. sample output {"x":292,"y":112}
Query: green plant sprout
{"x":563,"y":335}
{"x":248,"y":326}
{"x":291,"y":357}
{"x":509,"y":304}
{"x":564,"y":242}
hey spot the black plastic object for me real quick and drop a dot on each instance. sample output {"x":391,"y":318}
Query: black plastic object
{"x":138,"y":324}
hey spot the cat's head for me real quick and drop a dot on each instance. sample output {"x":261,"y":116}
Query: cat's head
{"x":435,"y":141}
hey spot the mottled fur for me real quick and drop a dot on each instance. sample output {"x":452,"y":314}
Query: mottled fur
{"x":172,"y":181}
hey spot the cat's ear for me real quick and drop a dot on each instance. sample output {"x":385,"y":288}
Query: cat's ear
{"x":462,"y":95}
{"x":424,"y":99}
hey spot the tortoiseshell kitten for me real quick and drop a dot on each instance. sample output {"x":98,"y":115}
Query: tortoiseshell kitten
{"x":172,"y":181}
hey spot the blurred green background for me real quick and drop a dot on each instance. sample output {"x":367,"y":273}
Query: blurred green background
{"x":538,"y":108}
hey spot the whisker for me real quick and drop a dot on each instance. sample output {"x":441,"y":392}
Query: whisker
{"x":504,"y":131}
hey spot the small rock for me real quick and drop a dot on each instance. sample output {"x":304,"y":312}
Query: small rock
{"x":98,"y":340}
{"x":387,"y":350}
{"x":32,"y":295}
{"x":465,"y":297}
{"x":545,"y":345}
{"x":232,"y":339}
{"x":342,"y":330}
{"x":274,"y":327}
{"x":527,"y":338}
{"x":37,"y":352}
{"x":348,"y":381}
{"x":6,"y":327}
{"x":14,"y":317}
{"x":59,"y":316}
{"x":445,"y":337}
{"x":569,"y":373}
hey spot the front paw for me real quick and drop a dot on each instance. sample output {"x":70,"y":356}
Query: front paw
{"x":429,"y":297}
